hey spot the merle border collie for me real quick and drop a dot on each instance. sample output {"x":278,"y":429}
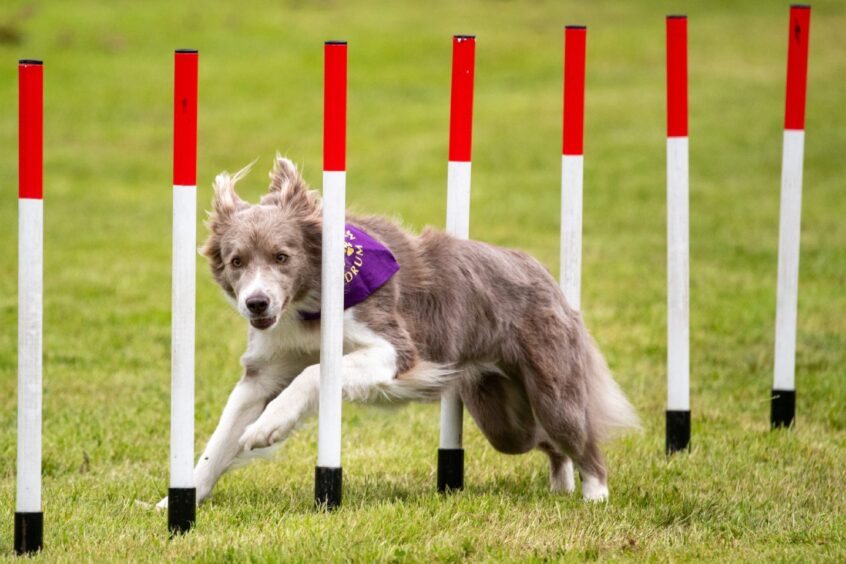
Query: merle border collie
{"x":424,"y":314}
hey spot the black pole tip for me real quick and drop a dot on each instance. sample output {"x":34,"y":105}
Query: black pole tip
{"x":328,"y":486}
{"x":181,"y":510}
{"x":30,"y":62}
{"x":461,"y":36}
{"x":29,"y":532}
{"x":677,"y":17}
{"x":450,"y":469}
{"x":678,"y":431}
{"x":575,"y":27}
{"x":800,"y":6}
{"x":189,"y":51}
{"x":336,"y":42}
{"x":783,"y":409}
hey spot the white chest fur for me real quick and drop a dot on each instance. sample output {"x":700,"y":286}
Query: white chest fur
{"x":293,"y":338}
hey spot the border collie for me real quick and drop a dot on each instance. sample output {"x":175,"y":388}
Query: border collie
{"x":424,"y":314}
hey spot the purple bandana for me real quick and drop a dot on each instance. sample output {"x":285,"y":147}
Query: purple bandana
{"x":368,"y":264}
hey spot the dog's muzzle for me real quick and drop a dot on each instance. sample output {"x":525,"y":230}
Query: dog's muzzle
{"x":258,"y":306}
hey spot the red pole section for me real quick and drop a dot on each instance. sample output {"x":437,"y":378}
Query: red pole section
{"x":30,"y":128}
{"x":461,"y":97}
{"x":797,"y":67}
{"x":335,"y":106}
{"x":185,"y":118}
{"x":676,"y":76}
{"x":574,"y":89}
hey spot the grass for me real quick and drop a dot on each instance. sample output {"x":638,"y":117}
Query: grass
{"x":742,"y":493}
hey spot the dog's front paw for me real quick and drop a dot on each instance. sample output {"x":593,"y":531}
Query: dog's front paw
{"x":162,"y":505}
{"x":259,"y":435}
{"x":253,"y":437}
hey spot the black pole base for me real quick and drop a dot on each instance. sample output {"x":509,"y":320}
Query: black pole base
{"x":783,"y":409}
{"x":678,"y":431}
{"x":328,"y":484}
{"x":181,"y":510}
{"x":29,"y":532}
{"x":450,"y":469}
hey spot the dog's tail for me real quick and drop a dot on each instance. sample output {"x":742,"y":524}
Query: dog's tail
{"x":610,"y":410}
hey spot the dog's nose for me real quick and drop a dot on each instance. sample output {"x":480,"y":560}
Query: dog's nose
{"x":257,"y":304}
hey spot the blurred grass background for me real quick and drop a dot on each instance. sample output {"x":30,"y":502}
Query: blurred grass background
{"x":742,"y":493}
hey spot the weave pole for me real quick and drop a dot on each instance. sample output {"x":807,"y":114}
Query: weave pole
{"x":783,"y":409}
{"x":451,"y":451}
{"x":572,"y":163}
{"x":29,"y":519}
{"x":182,"y":493}
{"x":678,"y":243}
{"x":328,"y":477}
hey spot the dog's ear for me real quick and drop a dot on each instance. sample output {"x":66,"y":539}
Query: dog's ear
{"x":224,"y":205}
{"x":226,"y":201}
{"x":290,"y":191}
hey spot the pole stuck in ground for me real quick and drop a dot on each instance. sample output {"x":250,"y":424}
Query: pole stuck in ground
{"x":29,"y":519}
{"x":678,"y":244}
{"x":328,"y":477}
{"x":572,"y":163}
{"x":182,"y":493}
{"x":451,"y":451}
{"x":572,"y":173}
{"x":783,"y":407}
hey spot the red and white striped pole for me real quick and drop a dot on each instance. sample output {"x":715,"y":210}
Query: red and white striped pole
{"x":678,"y":244}
{"x":572,"y":163}
{"x":572,"y":177}
{"x":451,"y":451}
{"x":328,"y":477}
{"x":29,"y":519}
{"x":784,"y":377}
{"x":182,"y":493}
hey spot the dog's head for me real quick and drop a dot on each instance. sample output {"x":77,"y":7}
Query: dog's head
{"x":266,"y":256}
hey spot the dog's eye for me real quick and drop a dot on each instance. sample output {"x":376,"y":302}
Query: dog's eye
{"x":281,"y":258}
{"x":236,"y":262}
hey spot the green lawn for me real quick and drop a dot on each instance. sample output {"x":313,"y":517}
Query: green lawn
{"x":742,"y":493}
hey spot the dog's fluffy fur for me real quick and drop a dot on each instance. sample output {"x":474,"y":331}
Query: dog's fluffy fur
{"x":486,"y":322}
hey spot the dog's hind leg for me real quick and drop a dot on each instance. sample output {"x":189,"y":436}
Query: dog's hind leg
{"x":561,"y":475}
{"x":557,"y":365}
{"x":563,"y":418}
{"x":499,"y":405}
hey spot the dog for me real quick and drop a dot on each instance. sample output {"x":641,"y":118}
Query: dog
{"x":451,"y":315}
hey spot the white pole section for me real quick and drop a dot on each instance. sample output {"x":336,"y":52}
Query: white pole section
{"x":450,"y":451}
{"x":572,"y":163}
{"x":30,"y":287}
{"x":328,"y":474}
{"x":29,"y":520}
{"x":678,"y":245}
{"x":452,"y":410}
{"x":332,"y":319}
{"x":184,"y":249}
{"x":182,"y":492}
{"x":783,"y":407}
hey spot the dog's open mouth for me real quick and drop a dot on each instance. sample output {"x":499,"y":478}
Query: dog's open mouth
{"x":262,"y":322}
